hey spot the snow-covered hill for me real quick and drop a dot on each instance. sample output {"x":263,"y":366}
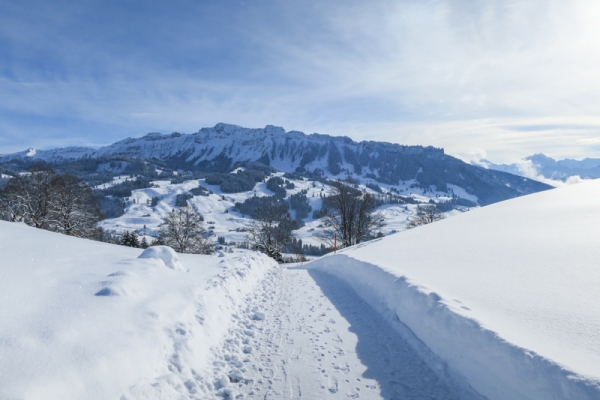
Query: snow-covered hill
{"x":501,"y":302}
{"x":221,"y":148}
{"x":508,"y":295}
{"x":87,"y":320}
{"x":223,"y":220}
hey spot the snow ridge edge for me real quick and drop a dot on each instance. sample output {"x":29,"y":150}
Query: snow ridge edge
{"x":494,"y":367}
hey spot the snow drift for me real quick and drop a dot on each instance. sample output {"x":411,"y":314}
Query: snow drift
{"x":82,"y":319}
{"x":507,"y":295}
{"x":163,"y":253}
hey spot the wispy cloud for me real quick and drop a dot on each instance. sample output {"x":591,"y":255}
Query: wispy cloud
{"x":509,"y":77}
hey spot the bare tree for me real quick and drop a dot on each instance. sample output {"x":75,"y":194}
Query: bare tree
{"x":424,"y":215}
{"x":11,"y":209}
{"x":183,"y":230}
{"x":271,"y":230}
{"x":72,"y":207}
{"x":26,"y":197}
{"x":44,"y":199}
{"x":351,"y":214}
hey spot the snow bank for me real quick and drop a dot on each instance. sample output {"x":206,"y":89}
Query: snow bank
{"x":507,"y":295}
{"x":494,"y":367}
{"x":82,"y":319}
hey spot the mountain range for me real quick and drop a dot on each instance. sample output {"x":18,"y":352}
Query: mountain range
{"x":224,"y":147}
{"x":549,"y":168}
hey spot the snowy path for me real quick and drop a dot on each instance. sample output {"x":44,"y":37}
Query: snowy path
{"x":305,"y":334}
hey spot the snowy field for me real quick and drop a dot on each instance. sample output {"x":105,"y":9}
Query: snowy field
{"x":508,"y":295}
{"x":501,"y":302}
{"x":82,"y":319}
{"x":116,"y":180}
{"x":87,"y":320}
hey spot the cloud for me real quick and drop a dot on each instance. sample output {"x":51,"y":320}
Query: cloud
{"x":590,"y":141}
{"x":529,"y":170}
{"x":510,"y":77}
{"x":473,"y":155}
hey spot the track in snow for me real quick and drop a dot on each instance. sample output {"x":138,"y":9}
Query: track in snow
{"x":305,"y":334}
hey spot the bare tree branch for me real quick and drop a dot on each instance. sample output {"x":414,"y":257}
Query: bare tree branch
{"x":183,"y":230}
{"x":351,"y":215}
{"x":72,"y":207}
{"x":44,"y":199}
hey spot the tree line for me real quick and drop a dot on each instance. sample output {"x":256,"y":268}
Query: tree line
{"x":182,"y":230}
{"x":350,"y":215}
{"x":63,"y":203}
{"x":44,"y":199}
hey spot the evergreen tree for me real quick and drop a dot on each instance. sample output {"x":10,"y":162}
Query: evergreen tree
{"x":135,"y":240}
{"x":125,"y":238}
{"x":130,"y":239}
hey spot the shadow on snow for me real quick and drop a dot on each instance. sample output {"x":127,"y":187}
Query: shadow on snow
{"x":393,"y":355}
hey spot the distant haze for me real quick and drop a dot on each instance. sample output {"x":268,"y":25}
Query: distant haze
{"x":499,"y":80}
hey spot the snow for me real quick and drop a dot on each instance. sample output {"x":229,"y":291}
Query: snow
{"x":286,"y":151}
{"x":314,"y":338}
{"x":501,"y":302}
{"x":116,"y":180}
{"x":165,"y":254}
{"x":462,"y":193}
{"x":82,"y":319}
{"x":53,"y":155}
{"x":507,"y":295}
{"x":217,"y":208}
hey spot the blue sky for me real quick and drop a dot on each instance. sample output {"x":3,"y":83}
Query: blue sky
{"x":495,"y":79}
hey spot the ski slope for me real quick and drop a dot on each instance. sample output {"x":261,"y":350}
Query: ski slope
{"x":508,"y":295}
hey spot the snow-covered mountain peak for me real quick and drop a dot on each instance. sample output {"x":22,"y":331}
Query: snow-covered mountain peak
{"x":541,"y":159}
{"x":269,"y":132}
{"x":225,"y":146}
{"x":153,"y":136}
{"x":53,"y":155}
